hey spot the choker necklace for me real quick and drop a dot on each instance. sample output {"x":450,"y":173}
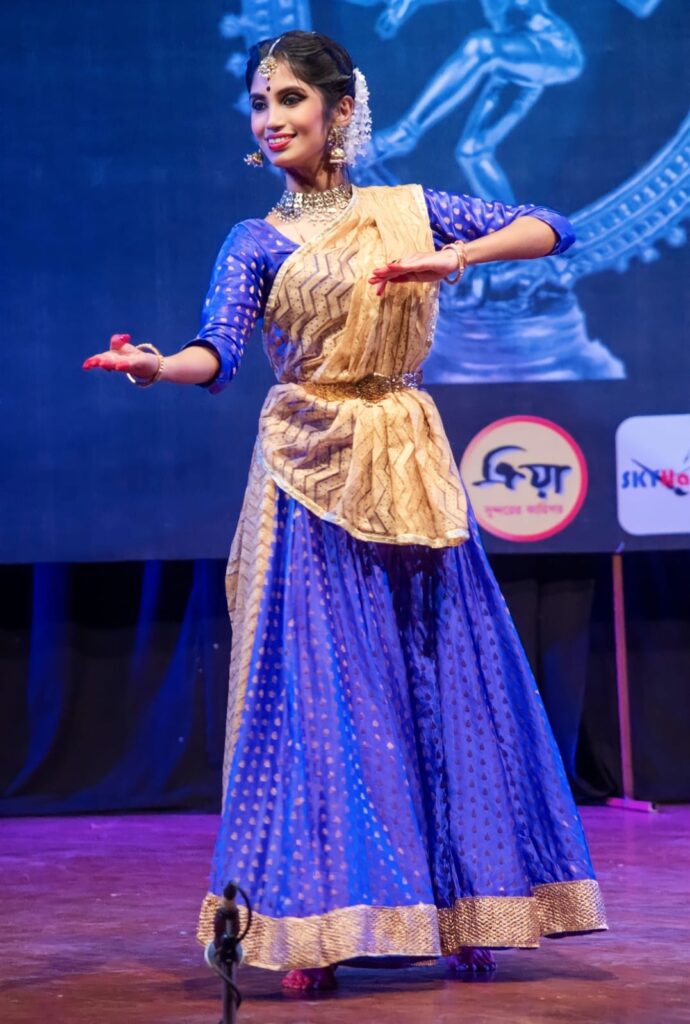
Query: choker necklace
{"x":318,"y":206}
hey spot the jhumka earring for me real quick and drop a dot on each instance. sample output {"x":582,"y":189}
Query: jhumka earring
{"x":255,"y":159}
{"x":336,"y":153}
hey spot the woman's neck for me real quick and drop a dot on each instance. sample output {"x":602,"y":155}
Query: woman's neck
{"x":320,"y":181}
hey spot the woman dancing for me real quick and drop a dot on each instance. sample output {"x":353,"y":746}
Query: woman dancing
{"x":391,"y":784}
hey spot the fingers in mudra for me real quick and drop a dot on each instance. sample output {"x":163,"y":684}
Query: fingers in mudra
{"x":107,"y":360}
{"x":122,"y":356}
{"x":397,"y":272}
{"x":424,"y":267}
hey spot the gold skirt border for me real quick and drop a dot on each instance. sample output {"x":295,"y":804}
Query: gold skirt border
{"x":421,"y":930}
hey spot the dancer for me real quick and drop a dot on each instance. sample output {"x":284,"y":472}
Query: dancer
{"x":391,"y":784}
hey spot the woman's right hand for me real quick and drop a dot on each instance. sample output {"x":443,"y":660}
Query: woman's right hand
{"x":125,"y":357}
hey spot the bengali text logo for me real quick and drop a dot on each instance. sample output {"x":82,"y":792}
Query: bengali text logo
{"x":526,"y":478}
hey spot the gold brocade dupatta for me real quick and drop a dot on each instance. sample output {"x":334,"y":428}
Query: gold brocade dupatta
{"x":383,"y":470}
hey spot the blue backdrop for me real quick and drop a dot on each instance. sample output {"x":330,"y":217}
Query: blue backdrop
{"x":122,"y":174}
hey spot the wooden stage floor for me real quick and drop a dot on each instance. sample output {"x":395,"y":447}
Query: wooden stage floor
{"x":98,"y":918}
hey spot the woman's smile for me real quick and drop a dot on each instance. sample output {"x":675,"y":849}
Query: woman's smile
{"x":291,"y":125}
{"x":278,"y":141}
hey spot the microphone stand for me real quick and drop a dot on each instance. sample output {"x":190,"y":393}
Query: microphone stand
{"x":225,"y":952}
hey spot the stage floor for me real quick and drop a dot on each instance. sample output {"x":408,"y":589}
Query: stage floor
{"x":98,"y":919}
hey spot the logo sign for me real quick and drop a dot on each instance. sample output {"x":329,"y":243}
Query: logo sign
{"x":526,"y":477}
{"x":653,"y":469}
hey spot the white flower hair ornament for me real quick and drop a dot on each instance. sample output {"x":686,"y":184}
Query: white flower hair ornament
{"x":357,"y":135}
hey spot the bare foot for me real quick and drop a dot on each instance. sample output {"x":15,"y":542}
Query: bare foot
{"x":310,"y":978}
{"x":471,"y":959}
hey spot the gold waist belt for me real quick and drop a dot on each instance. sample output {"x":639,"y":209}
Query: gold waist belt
{"x":371,"y":388}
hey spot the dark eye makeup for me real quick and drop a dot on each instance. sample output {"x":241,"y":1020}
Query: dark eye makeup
{"x":290,"y":99}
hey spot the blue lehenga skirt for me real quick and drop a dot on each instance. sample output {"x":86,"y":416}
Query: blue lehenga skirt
{"x":392,"y":784}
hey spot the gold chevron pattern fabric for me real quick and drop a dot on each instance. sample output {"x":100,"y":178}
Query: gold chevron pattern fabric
{"x":383,"y":470}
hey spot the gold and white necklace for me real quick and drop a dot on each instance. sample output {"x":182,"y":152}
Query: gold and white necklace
{"x":313,"y":206}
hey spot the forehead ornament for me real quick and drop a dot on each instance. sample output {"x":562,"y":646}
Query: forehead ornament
{"x":269,"y":65}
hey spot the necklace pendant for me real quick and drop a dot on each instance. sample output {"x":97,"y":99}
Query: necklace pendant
{"x":319,"y":207}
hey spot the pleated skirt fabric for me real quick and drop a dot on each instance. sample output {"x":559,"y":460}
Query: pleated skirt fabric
{"x":392,"y":785}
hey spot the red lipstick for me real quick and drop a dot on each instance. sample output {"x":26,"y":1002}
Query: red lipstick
{"x":277,"y":142}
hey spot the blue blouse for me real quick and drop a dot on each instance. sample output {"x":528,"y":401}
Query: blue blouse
{"x":254,"y":251}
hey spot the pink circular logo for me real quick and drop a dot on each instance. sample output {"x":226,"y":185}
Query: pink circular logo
{"x":526,"y":478}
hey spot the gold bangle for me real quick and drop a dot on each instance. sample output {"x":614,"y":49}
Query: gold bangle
{"x":459,"y":250}
{"x":146,"y":346}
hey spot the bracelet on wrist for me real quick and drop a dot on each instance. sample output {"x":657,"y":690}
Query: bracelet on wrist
{"x":459,"y":250}
{"x":148,"y":382}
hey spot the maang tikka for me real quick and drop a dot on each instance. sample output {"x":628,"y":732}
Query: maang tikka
{"x":268,"y":65}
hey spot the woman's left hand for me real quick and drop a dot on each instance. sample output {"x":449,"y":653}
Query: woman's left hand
{"x":420,"y":266}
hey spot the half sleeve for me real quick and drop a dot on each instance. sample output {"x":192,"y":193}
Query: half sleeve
{"x":461,"y":218}
{"x":234,"y":302}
